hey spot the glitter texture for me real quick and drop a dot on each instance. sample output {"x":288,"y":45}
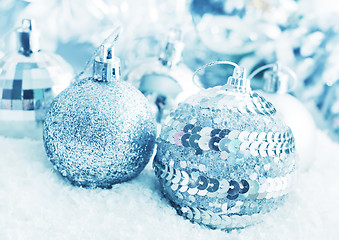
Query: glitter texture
{"x":99,"y":133}
{"x":225,"y":158}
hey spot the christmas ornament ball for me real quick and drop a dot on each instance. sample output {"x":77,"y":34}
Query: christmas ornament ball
{"x":279,"y":80}
{"x":100,"y":131}
{"x":225,"y":158}
{"x":165,"y":80}
{"x":29,"y":80}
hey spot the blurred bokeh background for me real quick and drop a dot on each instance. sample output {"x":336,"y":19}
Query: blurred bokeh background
{"x":300,"y":34}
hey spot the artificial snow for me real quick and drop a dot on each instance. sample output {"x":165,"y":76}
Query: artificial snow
{"x":37,"y":203}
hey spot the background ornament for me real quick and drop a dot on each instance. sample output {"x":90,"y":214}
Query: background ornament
{"x":29,"y":80}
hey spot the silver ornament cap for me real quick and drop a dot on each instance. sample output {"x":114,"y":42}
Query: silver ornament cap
{"x":28,"y":38}
{"x":276,"y":81}
{"x":106,"y":67}
{"x":238,"y":82}
{"x":172,"y":52}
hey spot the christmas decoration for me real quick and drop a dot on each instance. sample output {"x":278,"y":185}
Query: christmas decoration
{"x":100,"y":131}
{"x":306,"y":47}
{"x":239,"y":27}
{"x":278,"y":82}
{"x":330,"y":109}
{"x":29,"y":80}
{"x":164,"y":81}
{"x":224,"y":157}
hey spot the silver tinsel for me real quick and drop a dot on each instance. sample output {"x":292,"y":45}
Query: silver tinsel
{"x":99,"y":133}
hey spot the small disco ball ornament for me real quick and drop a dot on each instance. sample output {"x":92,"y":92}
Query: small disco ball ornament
{"x":237,"y":27}
{"x":29,"y":80}
{"x":278,"y":82}
{"x":100,"y":131}
{"x":165,"y":81}
{"x":225,"y":158}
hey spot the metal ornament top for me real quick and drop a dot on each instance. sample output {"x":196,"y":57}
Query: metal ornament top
{"x":172,"y":52}
{"x":238,"y":82}
{"x":106,"y":67}
{"x":28,"y":38}
{"x":235,"y":95}
{"x":279,"y":79}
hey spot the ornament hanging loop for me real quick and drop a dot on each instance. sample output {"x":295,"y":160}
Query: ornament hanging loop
{"x":104,"y":52}
{"x":280,"y":79}
{"x":237,"y":82}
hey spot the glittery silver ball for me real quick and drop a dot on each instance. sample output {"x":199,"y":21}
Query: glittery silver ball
{"x":225,"y":158}
{"x":99,"y":133}
{"x":28,"y":84}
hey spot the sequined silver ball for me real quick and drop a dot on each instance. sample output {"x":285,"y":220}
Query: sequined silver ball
{"x":225,"y":158}
{"x":98,"y":134}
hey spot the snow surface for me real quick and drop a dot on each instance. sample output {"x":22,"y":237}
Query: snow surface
{"x":36,"y":203}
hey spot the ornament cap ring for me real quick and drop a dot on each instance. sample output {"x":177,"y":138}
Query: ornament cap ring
{"x":237,"y":82}
{"x":280,"y":79}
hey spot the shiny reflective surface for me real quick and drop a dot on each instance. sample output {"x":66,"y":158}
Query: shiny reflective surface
{"x":225,"y":159}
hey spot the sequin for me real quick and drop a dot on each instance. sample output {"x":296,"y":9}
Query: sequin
{"x":223,"y":144}
{"x":203,"y":143}
{"x":263,"y":149}
{"x":213,"y":185}
{"x":196,"y":129}
{"x":254,"y":149}
{"x":223,"y":186}
{"x":170,"y":173}
{"x":253,"y":187}
{"x":269,"y":137}
{"x":234,"y":188}
{"x":213,"y":143}
{"x":244,"y":187}
{"x":174,"y":187}
{"x":177,"y":176}
{"x":234,"y":145}
{"x":233,"y":134}
{"x":215,"y":132}
{"x":185,"y":140}
{"x":188,"y":128}
{"x":183,"y":188}
{"x":252,"y":136}
{"x":171,"y":136}
{"x":206,"y":218}
{"x":185,"y":178}
{"x":243,"y":136}
{"x":202,"y":192}
{"x":202,"y":183}
{"x":223,"y":133}
{"x":261,"y":137}
{"x":192,"y":191}
{"x":206,"y":131}
{"x":232,"y":197}
{"x":197,"y":214}
{"x":177,"y":138}
{"x":193,"y":141}
{"x":276,"y":137}
{"x":270,"y":149}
